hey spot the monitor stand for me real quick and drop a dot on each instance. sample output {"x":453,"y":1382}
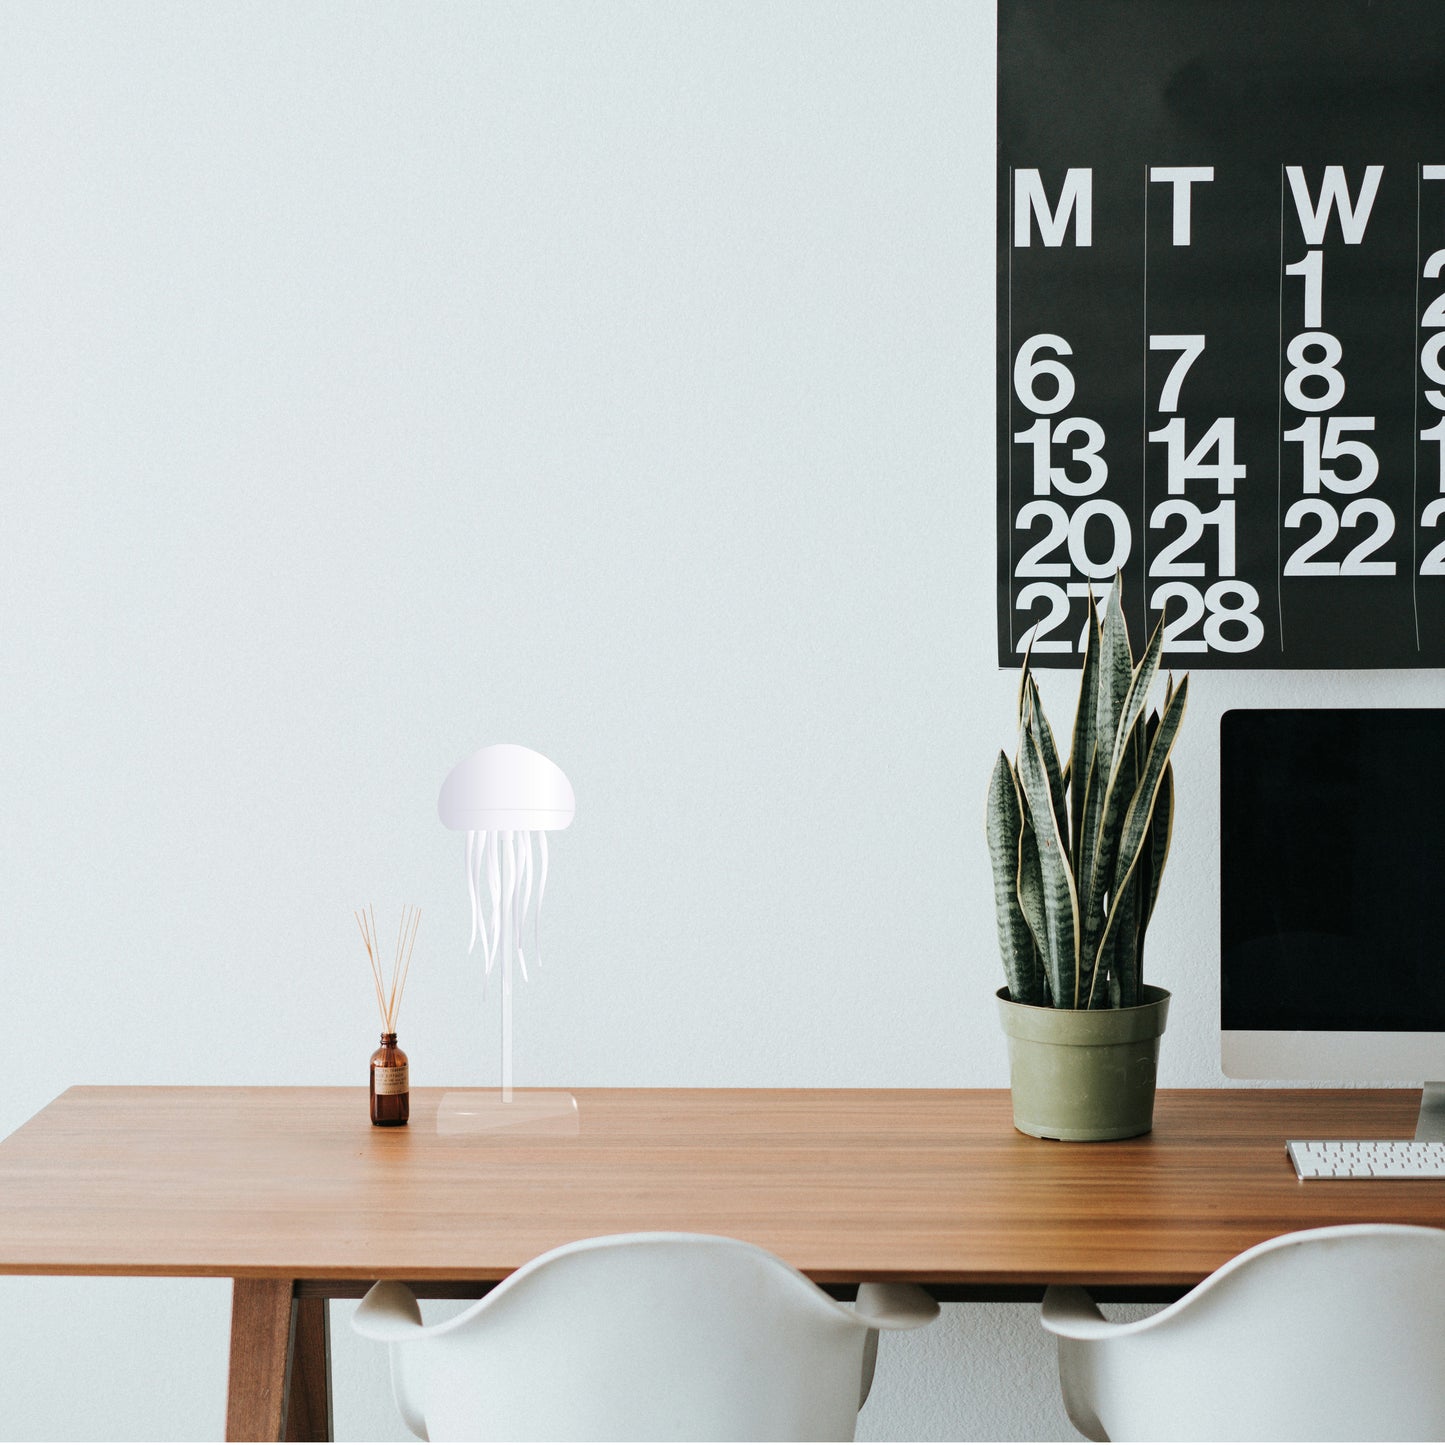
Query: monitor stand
{"x":1431,"y":1123}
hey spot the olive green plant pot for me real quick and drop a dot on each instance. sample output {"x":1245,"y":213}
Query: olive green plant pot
{"x":1084,"y":1073}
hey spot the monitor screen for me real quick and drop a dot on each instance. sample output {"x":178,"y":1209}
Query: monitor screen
{"x":1332,"y":892}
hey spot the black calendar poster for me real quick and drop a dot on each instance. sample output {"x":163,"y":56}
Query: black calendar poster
{"x":1221,"y":328}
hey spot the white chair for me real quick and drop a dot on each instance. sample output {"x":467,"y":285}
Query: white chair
{"x":1327,"y":1334}
{"x":641,"y":1337}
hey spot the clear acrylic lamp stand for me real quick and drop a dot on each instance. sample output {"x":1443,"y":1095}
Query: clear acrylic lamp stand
{"x":502,"y":796}
{"x":532,"y":1111}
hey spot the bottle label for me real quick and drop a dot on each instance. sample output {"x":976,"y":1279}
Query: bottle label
{"x":390,"y":1079}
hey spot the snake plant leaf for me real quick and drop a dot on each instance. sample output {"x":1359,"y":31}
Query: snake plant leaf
{"x":1116,"y":671}
{"x":1142,"y":805}
{"x":1098,"y":832}
{"x":1140,"y":685}
{"x":1081,"y":747}
{"x":1118,"y":964}
{"x":1145,"y":878}
{"x":1152,"y":858}
{"x":1031,"y":900}
{"x":1106,"y":647}
{"x":1126,"y":762}
{"x":1025,"y":677}
{"x":1061,"y":903}
{"x":1089,"y":823}
{"x":1004,"y":826}
{"x":1116,"y":980}
{"x":1161,"y":832}
{"x":1058,"y":792}
{"x":1101,"y":880}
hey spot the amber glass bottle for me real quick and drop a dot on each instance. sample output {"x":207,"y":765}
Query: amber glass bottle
{"x":390,"y":1084}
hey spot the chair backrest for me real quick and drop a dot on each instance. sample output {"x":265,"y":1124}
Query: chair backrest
{"x":642,"y":1337}
{"x":1326,"y":1334}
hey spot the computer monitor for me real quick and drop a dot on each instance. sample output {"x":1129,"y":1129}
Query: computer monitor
{"x":1332,"y":897}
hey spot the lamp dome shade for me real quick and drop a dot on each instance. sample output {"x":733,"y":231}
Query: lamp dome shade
{"x":506,"y":786}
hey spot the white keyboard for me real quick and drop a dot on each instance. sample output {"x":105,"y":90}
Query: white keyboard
{"x":1368,"y":1158}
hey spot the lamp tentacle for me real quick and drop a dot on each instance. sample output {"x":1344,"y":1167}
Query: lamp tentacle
{"x":541,"y":889}
{"x":472,"y":885}
{"x":524,"y":884}
{"x":494,"y":886}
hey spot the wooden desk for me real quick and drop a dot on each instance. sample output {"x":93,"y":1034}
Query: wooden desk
{"x":293,"y":1195}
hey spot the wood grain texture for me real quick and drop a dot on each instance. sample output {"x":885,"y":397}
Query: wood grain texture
{"x":308,"y":1388}
{"x":927,"y":1185}
{"x":261,"y":1314}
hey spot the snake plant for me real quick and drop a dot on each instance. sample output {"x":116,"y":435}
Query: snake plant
{"x":1078,"y":847}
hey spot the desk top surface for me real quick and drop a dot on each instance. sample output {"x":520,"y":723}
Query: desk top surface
{"x":927,"y":1185}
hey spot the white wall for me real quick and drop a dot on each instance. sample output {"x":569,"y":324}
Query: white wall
{"x":379,"y":381}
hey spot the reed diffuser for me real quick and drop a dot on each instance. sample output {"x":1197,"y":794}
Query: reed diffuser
{"x":390,"y":1079}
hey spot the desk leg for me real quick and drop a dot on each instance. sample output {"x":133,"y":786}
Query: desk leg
{"x":308,"y":1401}
{"x":280,"y":1364}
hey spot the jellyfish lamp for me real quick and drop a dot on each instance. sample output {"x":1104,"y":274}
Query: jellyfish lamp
{"x":506,"y":798}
